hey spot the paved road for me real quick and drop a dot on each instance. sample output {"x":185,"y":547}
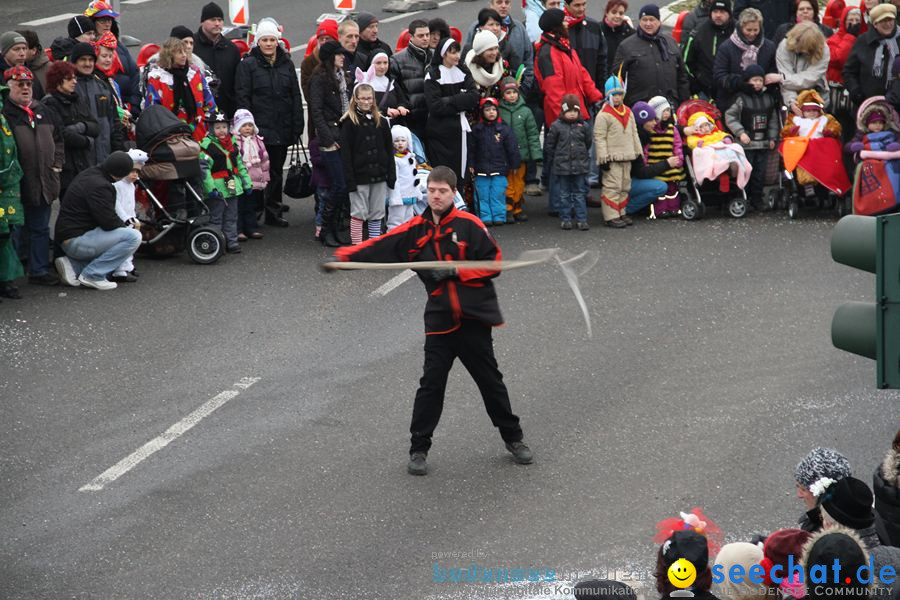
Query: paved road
{"x":709,"y":376}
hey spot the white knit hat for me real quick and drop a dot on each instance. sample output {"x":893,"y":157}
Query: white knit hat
{"x":659,"y":104}
{"x":243,"y":116}
{"x":267,"y":27}
{"x":138,"y":157}
{"x":484,"y":40}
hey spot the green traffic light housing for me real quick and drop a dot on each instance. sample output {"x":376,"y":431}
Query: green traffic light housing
{"x":871,"y":329}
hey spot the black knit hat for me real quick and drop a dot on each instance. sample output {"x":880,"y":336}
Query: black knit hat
{"x":181,"y":32}
{"x":849,"y":502}
{"x":603,"y":589}
{"x":82,"y":49}
{"x":688,"y":545}
{"x":551,"y":19}
{"x":649,"y":10}
{"x":753,"y":70}
{"x":329,"y":50}
{"x":720,"y":5}
{"x":118,"y":164}
{"x":79,"y":25}
{"x":364,"y":19}
{"x":211,"y":11}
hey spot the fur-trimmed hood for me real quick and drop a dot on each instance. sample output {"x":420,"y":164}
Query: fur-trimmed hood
{"x":878,"y":103}
{"x":890,"y":468}
{"x":817,"y":537}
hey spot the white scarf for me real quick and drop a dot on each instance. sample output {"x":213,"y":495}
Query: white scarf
{"x":250,"y":151}
{"x":485,"y":79}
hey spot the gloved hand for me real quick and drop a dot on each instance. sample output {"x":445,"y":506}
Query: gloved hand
{"x":857,"y":146}
{"x":215,"y":195}
{"x":893,"y":147}
{"x":604,"y":166}
{"x":409,"y":201}
{"x":438,"y":275}
{"x":78,"y":128}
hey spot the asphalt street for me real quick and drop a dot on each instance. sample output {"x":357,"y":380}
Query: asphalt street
{"x":709,"y":376}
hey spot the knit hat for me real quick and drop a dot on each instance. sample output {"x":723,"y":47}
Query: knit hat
{"x":401,"y":132}
{"x":753,"y":70}
{"x":686,"y":544}
{"x":484,"y":104}
{"x":267,"y":27}
{"x":181,"y":32}
{"x":242,"y":116}
{"x":99,"y":9}
{"x":821,"y":463}
{"x":82,"y":49}
{"x":603,"y":589}
{"x":211,"y":11}
{"x":880,"y":12}
{"x":699,"y":118}
{"x":508,"y":83}
{"x":10,"y":39}
{"x":118,"y":164}
{"x":18,"y":73}
{"x":659,"y":104}
{"x":778,"y":547}
{"x":746,"y":555}
{"x":875,"y":116}
{"x":328,"y":27}
{"x":484,"y":40}
{"x":643,"y":113}
{"x":822,"y":550}
{"x":849,"y":502}
{"x":613,"y":86}
{"x":79,"y":25}
{"x":720,"y":5}
{"x":551,"y":19}
{"x":364,"y":19}
{"x":61,"y":48}
{"x":570,"y":102}
{"x":138,"y":157}
{"x":649,"y":10}
{"x":329,"y":50}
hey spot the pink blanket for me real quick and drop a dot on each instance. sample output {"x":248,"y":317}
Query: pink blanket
{"x":713,"y":160}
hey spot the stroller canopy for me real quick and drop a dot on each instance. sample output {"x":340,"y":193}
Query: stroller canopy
{"x":156,"y":124}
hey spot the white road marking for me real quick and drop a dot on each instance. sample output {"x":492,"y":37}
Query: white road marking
{"x":135,"y":1}
{"x":388,"y":20}
{"x":46,"y":20}
{"x":393,"y":283}
{"x":171,"y":434}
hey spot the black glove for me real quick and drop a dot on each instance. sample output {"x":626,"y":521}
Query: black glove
{"x":438,"y":275}
{"x":78,"y":128}
{"x":91,"y":128}
{"x":604,"y":166}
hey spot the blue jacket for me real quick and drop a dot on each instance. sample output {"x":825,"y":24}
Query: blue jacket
{"x":493,"y":148}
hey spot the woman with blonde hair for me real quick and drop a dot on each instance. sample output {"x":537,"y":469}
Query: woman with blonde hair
{"x":367,"y":151}
{"x":802,"y":59}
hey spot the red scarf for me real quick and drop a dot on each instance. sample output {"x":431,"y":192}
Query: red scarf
{"x":621,"y":117}
{"x":116,"y":67}
{"x":227,"y":142}
{"x":572,"y":21}
{"x":28,"y":112}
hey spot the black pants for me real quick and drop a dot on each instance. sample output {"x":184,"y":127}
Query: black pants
{"x":474,"y":345}
{"x":277,"y":156}
{"x":758,"y":160}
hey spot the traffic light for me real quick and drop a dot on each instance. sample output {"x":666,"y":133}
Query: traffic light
{"x":871,"y":329}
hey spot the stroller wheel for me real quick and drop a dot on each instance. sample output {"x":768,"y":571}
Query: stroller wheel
{"x":772,"y":198}
{"x":737,"y":207}
{"x":206,"y":245}
{"x":691,"y":210}
{"x":793,"y":209}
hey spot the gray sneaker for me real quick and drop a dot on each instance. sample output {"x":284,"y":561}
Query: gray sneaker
{"x":521,"y":453}
{"x":416,"y":464}
{"x":66,"y":271}
{"x":97,"y":284}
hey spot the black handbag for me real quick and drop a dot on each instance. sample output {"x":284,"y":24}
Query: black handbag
{"x":297,"y":183}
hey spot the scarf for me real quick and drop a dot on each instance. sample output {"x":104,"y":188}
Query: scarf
{"x":485,"y":79}
{"x":342,"y":90}
{"x":30,"y":113}
{"x":572,"y":21}
{"x":561,"y":42}
{"x":506,"y":21}
{"x":657,"y":40}
{"x":890,"y":44}
{"x":250,"y":151}
{"x":749,"y":50}
{"x":181,"y":91}
{"x":227,"y":142}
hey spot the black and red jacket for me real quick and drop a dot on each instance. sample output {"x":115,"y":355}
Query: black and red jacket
{"x":460,"y":236}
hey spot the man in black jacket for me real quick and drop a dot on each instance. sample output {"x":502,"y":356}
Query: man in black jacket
{"x":354,"y":58}
{"x":867,"y":71}
{"x":461,"y":310}
{"x":701,"y":45}
{"x":219,"y":54}
{"x":408,"y":70}
{"x":369,"y":44}
{"x":93,"y":237}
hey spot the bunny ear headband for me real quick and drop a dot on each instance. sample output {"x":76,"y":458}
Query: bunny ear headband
{"x":362,"y":77}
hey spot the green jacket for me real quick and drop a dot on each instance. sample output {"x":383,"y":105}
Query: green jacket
{"x":224,"y":165}
{"x":11,"y":212}
{"x":519,"y":117}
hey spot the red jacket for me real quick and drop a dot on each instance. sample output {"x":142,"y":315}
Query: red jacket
{"x":460,"y":236}
{"x":839,"y":45}
{"x":558,"y":72}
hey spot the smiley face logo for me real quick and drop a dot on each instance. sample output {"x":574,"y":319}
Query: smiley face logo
{"x":682,"y":573}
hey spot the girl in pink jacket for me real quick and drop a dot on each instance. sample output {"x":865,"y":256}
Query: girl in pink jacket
{"x":256,"y":161}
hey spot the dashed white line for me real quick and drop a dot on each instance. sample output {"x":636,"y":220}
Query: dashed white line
{"x":47,"y":20}
{"x":135,"y":1}
{"x":393,"y":283}
{"x":171,"y":434}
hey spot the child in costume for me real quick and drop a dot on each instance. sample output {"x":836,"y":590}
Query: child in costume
{"x":822,"y":161}
{"x":665,"y":141}
{"x":406,"y":194}
{"x":126,"y":211}
{"x":226,"y":180}
{"x":517,"y":115}
{"x":714,"y":155}
{"x":617,"y":144}
{"x":752,"y":118}
{"x":567,"y":153}
{"x":256,"y":161}
{"x":876,"y":188}
{"x":494,"y":153}
{"x":876,"y":129}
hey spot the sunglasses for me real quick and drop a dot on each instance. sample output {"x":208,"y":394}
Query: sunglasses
{"x":22,"y":84}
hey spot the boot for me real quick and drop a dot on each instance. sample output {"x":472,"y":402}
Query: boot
{"x":273,"y":217}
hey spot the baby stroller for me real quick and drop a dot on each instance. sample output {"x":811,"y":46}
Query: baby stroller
{"x":698,"y":196}
{"x":180,"y":223}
